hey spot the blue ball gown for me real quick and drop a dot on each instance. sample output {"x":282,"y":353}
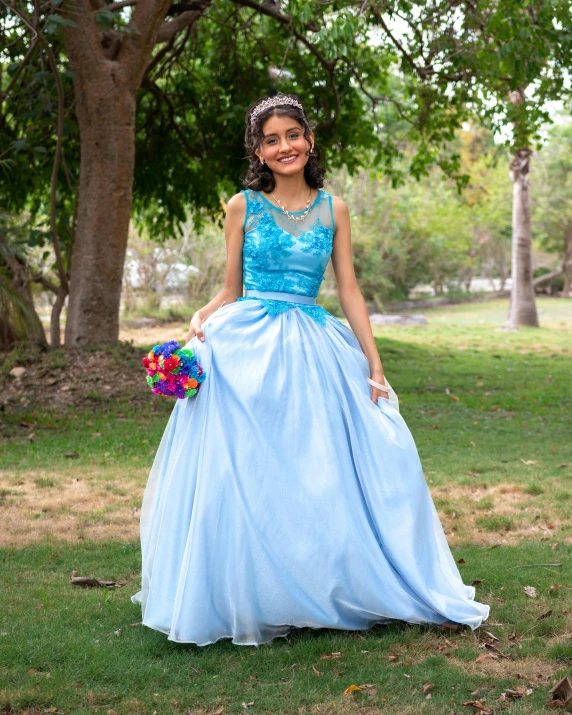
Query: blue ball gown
{"x":281,"y":496}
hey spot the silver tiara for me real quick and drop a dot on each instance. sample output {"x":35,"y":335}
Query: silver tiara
{"x":276,"y":101}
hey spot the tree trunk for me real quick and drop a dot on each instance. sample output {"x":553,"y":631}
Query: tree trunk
{"x":21,"y":280}
{"x":522,"y":309}
{"x":108,"y":69}
{"x":106,"y":114}
{"x":567,"y":260}
{"x":567,"y":283}
{"x":55,"y":329}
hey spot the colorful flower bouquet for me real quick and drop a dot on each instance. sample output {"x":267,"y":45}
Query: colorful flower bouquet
{"x":173,"y":371}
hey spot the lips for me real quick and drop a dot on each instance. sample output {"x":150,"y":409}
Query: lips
{"x":288,"y":159}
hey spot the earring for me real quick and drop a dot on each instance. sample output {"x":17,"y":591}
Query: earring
{"x":262,"y":161}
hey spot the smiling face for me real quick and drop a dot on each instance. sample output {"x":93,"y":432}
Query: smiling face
{"x":284,"y":147}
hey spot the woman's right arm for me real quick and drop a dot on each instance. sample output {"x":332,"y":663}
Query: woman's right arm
{"x":232,"y":287}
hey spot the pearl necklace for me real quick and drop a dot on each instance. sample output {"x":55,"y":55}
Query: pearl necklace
{"x":295,"y":219}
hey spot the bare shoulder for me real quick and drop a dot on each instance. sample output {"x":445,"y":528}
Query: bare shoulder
{"x":341,"y":210}
{"x":236,"y":211}
{"x":236,"y":204}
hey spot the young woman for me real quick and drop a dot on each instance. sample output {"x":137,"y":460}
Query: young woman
{"x":289,"y":493}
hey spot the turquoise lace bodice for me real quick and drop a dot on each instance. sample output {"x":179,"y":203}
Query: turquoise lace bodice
{"x":283,"y":256}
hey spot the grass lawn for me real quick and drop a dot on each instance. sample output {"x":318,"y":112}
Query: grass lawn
{"x":491,"y":413}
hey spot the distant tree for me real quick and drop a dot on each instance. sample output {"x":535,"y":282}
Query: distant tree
{"x":501,"y":60}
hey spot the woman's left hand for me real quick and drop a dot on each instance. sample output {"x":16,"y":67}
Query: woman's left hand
{"x":375,"y":393}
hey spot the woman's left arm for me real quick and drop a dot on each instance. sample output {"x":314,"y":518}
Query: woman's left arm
{"x":351,"y":299}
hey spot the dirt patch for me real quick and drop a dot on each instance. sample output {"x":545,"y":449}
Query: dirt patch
{"x":151,"y":334}
{"x":64,"y":378}
{"x":531,"y":669}
{"x":488,"y":515}
{"x":44,"y":505}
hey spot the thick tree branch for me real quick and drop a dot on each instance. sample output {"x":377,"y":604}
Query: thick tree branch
{"x":168,"y":30}
{"x":547,"y":277}
{"x":146,"y":19}
{"x":46,"y":282}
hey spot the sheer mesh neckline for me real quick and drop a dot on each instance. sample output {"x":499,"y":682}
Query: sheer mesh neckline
{"x":314,"y":202}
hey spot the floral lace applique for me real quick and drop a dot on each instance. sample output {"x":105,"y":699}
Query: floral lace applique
{"x":319,"y":239}
{"x":275,"y":307}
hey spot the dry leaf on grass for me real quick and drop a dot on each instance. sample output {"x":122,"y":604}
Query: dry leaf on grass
{"x":545,"y":615}
{"x":331,"y":656}
{"x":520,"y":692}
{"x":495,"y":652}
{"x":33,"y":671}
{"x":317,"y":672}
{"x":530,"y":591}
{"x":86,"y":582}
{"x":427,"y":687}
{"x":491,"y":635}
{"x":448,"y":627}
{"x":561,"y":692}
{"x":478,"y":706}
{"x":351,"y":689}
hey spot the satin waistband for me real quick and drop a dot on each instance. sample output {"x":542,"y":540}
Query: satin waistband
{"x":276,"y":295}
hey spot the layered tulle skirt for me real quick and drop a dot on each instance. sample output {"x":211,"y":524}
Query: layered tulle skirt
{"x":281,"y":496}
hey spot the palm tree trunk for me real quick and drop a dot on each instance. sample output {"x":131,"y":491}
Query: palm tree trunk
{"x":522,"y":310}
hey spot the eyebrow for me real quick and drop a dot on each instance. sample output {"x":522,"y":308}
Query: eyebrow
{"x":273,"y":134}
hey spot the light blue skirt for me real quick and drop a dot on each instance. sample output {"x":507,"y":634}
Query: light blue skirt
{"x":281,"y":496}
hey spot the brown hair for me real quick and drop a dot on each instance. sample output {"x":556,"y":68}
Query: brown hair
{"x":258,"y":176}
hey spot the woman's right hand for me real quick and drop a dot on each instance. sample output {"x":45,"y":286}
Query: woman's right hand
{"x":195,"y":328}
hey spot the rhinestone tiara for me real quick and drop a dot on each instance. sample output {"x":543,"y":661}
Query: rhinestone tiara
{"x":275,"y":101}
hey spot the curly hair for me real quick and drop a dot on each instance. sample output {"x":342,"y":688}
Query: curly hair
{"x":258,"y":176}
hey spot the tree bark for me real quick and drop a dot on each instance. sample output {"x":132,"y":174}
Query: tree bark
{"x":522,"y":310}
{"x":55,"y":330}
{"x":107,"y":129}
{"x":567,"y":260}
{"x":108,"y":70}
{"x":20,"y":279}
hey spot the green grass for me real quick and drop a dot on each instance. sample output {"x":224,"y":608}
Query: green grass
{"x":493,"y":458}
{"x":83,"y":649}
